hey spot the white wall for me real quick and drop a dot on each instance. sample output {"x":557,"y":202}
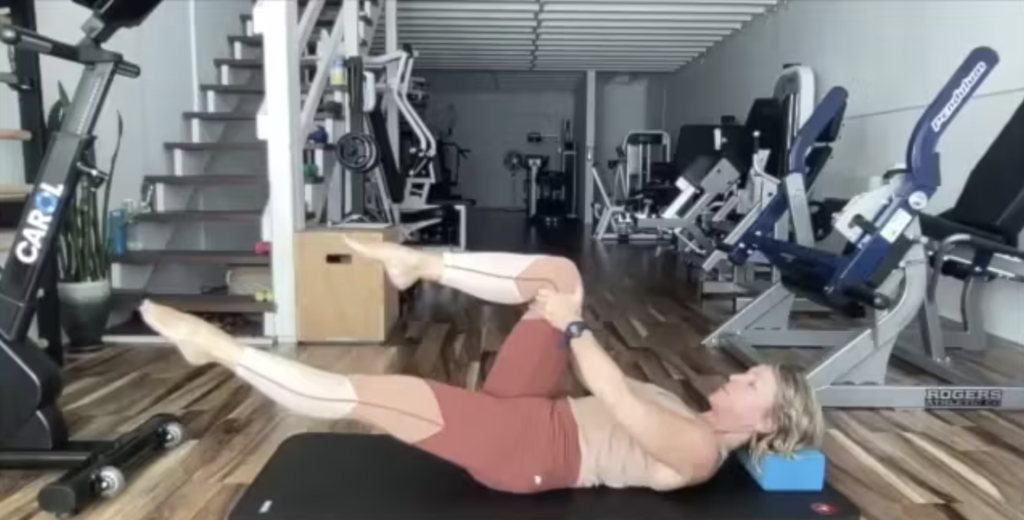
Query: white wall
{"x":621,"y":107}
{"x":492,"y":123}
{"x":625,"y":102}
{"x":893,"y":56}
{"x":151,"y":105}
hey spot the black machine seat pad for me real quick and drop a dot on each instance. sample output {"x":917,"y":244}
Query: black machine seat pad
{"x":450,"y":201}
{"x":330,"y":476}
{"x":940,"y":227}
{"x":421,"y":215}
{"x":699,"y":168}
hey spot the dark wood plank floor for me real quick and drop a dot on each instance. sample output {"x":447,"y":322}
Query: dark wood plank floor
{"x":895,"y":465}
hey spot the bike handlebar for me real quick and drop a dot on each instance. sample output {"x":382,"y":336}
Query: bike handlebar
{"x":26,"y":40}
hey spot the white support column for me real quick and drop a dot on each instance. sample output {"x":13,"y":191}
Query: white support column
{"x":350,"y":14}
{"x":390,"y":46}
{"x":278,"y":125}
{"x":589,"y":159}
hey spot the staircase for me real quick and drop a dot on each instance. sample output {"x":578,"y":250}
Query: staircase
{"x":206,"y":212}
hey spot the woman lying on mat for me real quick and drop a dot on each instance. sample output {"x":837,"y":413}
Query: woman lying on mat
{"x":517,"y":435}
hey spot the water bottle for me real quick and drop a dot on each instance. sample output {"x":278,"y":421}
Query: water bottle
{"x":116,"y":231}
{"x":338,"y":72}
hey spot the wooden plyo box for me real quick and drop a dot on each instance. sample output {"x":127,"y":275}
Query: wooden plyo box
{"x":341,"y":297}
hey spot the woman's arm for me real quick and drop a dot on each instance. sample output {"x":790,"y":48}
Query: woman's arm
{"x":682,"y":443}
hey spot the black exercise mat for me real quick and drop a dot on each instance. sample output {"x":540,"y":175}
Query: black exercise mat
{"x":330,"y":476}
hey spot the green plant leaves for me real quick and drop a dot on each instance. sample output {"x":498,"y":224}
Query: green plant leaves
{"x":84,"y":240}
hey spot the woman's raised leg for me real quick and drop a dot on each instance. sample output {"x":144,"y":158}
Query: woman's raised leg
{"x":517,"y":445}
{"x":531,"y":361}
{"x":508,"y":278}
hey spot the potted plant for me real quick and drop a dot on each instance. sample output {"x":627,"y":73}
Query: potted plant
{"x":84,"y":288}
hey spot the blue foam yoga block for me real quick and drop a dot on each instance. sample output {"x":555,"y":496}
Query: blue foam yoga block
{"x":805,"y":471}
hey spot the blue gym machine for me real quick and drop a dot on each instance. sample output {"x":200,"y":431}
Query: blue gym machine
{"x":882,"y":275}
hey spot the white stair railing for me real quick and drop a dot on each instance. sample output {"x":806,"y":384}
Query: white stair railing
{"x":278,"y":124}
{"x":284,"y":121}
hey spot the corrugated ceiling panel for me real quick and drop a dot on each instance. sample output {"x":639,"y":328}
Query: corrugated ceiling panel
{"x":570,"y":35}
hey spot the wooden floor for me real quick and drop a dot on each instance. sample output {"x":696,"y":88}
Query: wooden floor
{"x":895,"y":465}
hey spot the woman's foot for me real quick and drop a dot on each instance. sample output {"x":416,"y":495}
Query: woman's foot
{"x":404,"y":265}
{"x":200,"y":342}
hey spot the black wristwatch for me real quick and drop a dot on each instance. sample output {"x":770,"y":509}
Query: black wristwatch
{"x":575,"y":330}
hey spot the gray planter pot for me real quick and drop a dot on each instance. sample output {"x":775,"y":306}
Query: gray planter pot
{"x":84,"y":311}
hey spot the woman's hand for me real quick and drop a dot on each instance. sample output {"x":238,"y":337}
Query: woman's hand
{"x":557,"y":308}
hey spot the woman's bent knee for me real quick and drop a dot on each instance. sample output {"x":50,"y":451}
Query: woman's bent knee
{"x":556,"y":271}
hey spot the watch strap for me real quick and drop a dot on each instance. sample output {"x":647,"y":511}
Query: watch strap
{"x":574,"y":330}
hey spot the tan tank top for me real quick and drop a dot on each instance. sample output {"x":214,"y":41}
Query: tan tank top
{"x":610,"y":456}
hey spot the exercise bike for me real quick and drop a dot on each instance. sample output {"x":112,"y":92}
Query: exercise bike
{"x":33,"y":432}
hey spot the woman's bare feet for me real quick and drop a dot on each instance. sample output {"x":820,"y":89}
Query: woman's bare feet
{"x":200,"y":342}
{"x":404,"y":265}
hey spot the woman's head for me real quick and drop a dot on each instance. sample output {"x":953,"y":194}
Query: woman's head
{"x":774,"y":404}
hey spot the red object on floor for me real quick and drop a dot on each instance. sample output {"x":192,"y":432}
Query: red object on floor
{"x":262,"y":248}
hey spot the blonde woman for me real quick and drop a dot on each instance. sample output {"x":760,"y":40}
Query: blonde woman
{"x":517,"y":434}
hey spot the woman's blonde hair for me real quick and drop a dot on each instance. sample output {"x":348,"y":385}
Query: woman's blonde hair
{"x":796,"y":417}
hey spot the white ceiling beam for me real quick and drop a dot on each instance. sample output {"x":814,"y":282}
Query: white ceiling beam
{"x":475,"y":46}
{"x":465,"y":29}
{"x":471,"y":62}
{"x":522,"y":65}
{"x":657,"y":9}
{"x":619,"y":67}
{"x":613,"y":53}
{"x":649,"y":70}
{"x":599,"y":59}
{"x":631,"y":32}
{"x":448,"y":22}
{"x":467,"y":43}
{"x":642,"y":17}
{"x":481,"y":67}
{"x":451,"y":35}
{"x":420,"y":5}
{"x":566,"y":35}
{"x":639,"y":26}
{"x":485,"y":54}
{"x":466,"y":15}
{"x":605,"y":64}
{"x":546,"y":44}
{"x":618,"y":38}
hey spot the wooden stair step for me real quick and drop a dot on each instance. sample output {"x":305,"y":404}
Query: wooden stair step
{"x":192,"y":257}
{"x":213,"y":303}
{"x":207,"y":147}
{"x":251,"y":41}
{"x":207,"y":180}
{"x":200,"y":216}
{"x":220,"y":116}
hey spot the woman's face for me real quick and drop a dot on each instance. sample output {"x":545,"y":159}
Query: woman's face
{"x":745,"y":401}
